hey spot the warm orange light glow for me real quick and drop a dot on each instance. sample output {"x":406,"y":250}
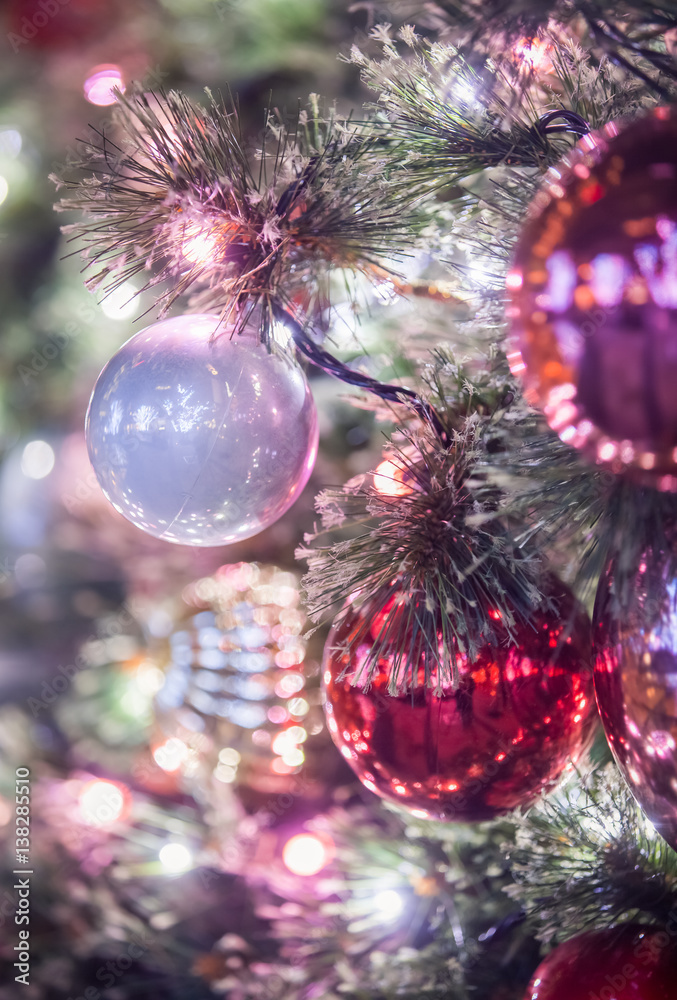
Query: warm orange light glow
{"x":199,"y":245}
{"x":533,"y":53}
{"x":388,"y":479}
{"x":307,"y":854}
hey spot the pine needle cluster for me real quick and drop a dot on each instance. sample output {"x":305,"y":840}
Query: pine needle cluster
{"x":435,"y":539}
{"x":177,"y":191}
{"x":588,"y":857}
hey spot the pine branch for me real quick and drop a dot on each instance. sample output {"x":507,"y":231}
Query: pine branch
{"x":452,"y":121}
{"x":440,"y":543}
{"x":178,"y":194}
{"x":403,"y":911}
{"x":588,"y":858}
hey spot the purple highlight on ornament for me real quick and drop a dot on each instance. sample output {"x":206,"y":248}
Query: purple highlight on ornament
{"x":563,"y":280}
{"x":658,"y":266}
{"x":570,"y":339}
{"x":610,"y":274}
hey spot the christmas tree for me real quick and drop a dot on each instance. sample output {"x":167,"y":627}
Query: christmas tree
{"x":339,"y":648}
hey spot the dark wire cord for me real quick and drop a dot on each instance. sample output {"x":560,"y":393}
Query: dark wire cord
{"x":613,"y":41}
{"x":574,"y":123}
{"x":332,"y":366}
{"x":546,"y":125}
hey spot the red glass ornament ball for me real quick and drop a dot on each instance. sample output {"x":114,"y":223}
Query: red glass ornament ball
{"x":624,"y":963}
{"x":523,"y":711}
{"x":593,"y":292}
{"x":61,"y":24}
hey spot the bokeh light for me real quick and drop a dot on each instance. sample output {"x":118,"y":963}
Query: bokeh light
{"x":171,"y":754}
{"x":121,"y":303}
{"x":10,"y":143}
{"x":37,"y":460}
{"x":175,"y":857}
{"x":389,"y":903}
{"x":98,"y":86}
{"x":306,"y":854}
{"x":534,"y":54}
{"x":199,"y":245}
{"x":103,"y":803}
{"x":388,"y":479}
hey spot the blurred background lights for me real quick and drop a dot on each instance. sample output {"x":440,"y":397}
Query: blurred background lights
{"x":30,"y":570}
{"x":171,"y":754}
{"x":102,"y":802}
{"x":121,"y":303}
{"x":37,"y":460}
{"x":175,"y":857}
{"x":10,"y":142}
{"x":4,"y":189}
{"x":225,"y":773}
{"x":6,"y":811}
{"x":306,"y":854}
{"x":389,"y":903}
{"x":298,"y":707}
{"x":149,"y":678}
{"x":278,"y":714}
{"x":293,"y":757}
{"x":229,"y":756}
{"x":98,"y":87}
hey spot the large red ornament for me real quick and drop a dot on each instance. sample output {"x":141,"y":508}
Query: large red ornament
{"x":521,"y":714}
{"x":624,"y":963}
{"x":594,"y":298}
{"x":636,"y":688}
{"x":62,"y":24}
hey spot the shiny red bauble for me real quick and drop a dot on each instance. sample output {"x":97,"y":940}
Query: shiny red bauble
{"x":57,"y":25}
{"x":522,"y":712}
{"x":625,"y":963}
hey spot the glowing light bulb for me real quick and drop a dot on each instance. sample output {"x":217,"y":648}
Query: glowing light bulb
{"x":98,"y":86}
{"x":533,"y":53}
{"x":306,"y":854}
{"x":37,"y":460}
{"x":388,"y":479}
{"x":175,"y":857}
{"x":199,"y":245}
{"x":102,"y":802}
{"x":171,"y":754}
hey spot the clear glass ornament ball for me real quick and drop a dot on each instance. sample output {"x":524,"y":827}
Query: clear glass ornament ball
{"x":199,"y":437}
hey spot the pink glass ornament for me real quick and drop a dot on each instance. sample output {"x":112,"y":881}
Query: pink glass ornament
{"x":593,"y":292}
